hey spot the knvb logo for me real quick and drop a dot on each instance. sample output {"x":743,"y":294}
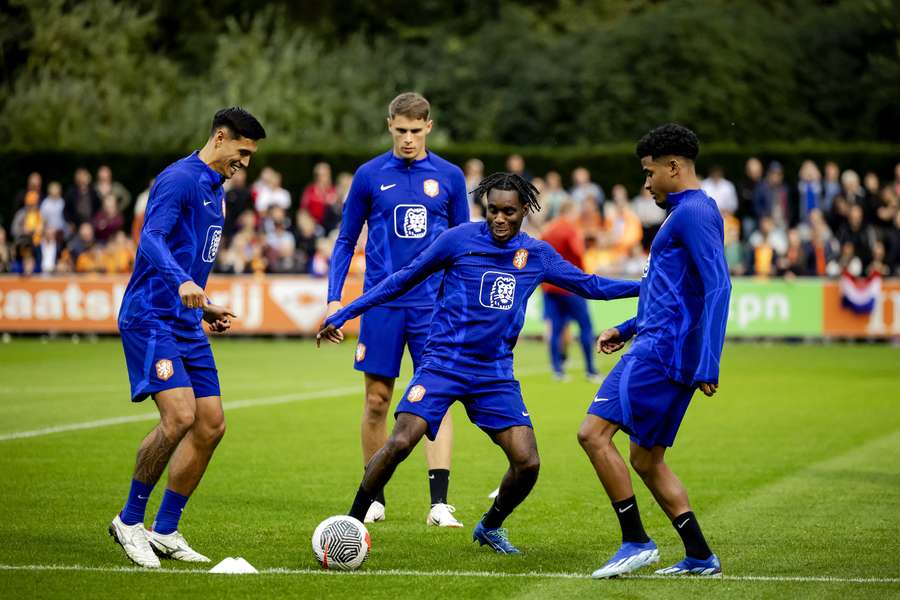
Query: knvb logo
{"x":211,"y":247}
{"x":164,"y":369}
{"x":498,"y":290}
{"x":410,"y":220}
{"x":416,"y":393}
{"x":431,"y":188}
{"x":521,"y":258}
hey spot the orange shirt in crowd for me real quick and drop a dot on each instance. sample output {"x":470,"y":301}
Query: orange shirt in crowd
{"x":566,"y":239}
{"x":626,"y":231}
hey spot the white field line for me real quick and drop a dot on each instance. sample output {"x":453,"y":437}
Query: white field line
{"x":153,"y":416}
{"x":449,"y":573}
{"x":235,"y":404}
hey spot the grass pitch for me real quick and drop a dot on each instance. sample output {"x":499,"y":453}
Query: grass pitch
{"x":793,"y":470}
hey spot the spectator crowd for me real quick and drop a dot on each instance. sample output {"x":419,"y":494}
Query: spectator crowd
{"x":820,"y":222}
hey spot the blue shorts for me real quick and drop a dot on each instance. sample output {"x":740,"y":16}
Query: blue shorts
{"x":493,"y":403}
{"x":639,"y":397}
{"x":160,"y":360}
{"x":382,"y":335}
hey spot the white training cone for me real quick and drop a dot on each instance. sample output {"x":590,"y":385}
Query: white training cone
{"x":244,"y":566}
{"x":234,"y":566}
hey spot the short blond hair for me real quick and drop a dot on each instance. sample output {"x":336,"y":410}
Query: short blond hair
{"x":411,"y":105}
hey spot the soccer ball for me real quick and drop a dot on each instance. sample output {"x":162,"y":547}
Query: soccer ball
{"x":341,"y":542}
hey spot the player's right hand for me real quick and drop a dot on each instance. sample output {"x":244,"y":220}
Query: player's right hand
{"x":192,"y":295}
{"x":609,"y":341}
{"x":330,"y":333}
{"x":708,"y":388}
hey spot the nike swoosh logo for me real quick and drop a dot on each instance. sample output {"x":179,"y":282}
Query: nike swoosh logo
{"x":601,"y":399}
{"x":621,"y":510}
{"x":207,"y":202}
{"x":431,"y":477}
{"x":682,"y":524}
{"x":142,"y":497}
{"x":524,"y":414}
{"x":387,"y":187}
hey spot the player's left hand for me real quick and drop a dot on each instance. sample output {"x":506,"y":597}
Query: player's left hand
{"x":330,"y":333}
{"x":218,"y":317}
{"x":709,"y":388}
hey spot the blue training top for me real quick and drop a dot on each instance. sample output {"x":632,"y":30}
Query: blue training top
{"x":685,"y":290}
{"x":480,"y":309}
{"x":179,"y":242}
{"x":407,"y":205}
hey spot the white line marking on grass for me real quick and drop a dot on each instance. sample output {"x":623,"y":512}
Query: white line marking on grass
{"x":235,"y":404}
{"x":448,"y":573}
{"x":153,"y":416}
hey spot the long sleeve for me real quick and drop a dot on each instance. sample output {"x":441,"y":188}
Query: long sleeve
{"x":458,"y":212}
{"x":435,"y":258}
{"x":698,"y":226}
{"x":564,"y":274}
{"x":163,"y":212}
{"x":355,"y":213}
{"x":627,"y":329}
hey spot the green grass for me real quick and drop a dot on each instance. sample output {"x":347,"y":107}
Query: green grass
{"x":793,"y":470}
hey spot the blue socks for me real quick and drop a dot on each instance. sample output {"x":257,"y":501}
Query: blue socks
{"x":137,"y":503}
{"x":169,"y":512}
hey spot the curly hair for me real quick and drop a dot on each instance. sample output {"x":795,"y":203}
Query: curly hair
{"x":528,"y":194}
{"x":669,"y":139}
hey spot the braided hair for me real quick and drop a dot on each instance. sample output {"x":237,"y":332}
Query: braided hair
{"x":528,"y":194}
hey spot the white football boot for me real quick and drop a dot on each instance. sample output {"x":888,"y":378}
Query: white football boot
{"x":133,"y":539}
{"x":375,"y":512}
{"x":173,"y":545}
{"x":441,"y":515}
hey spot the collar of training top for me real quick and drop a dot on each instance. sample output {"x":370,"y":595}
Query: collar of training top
{"x":673,"y":200}
{"x":213,"y":178}
{"x":394,"y":162}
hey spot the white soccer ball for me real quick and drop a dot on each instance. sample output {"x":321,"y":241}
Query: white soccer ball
{"x":341,"y":542}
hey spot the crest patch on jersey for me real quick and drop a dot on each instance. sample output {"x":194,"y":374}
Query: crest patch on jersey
{"x":498,"y":290}
{"x":360,"y":352}
{"x":431,"y":188}
{"x":521,"y":258}
{"x":164,"y":369}
{"x":647,"y":265}
{"x":410,"y":220}
{"x":416,"y":393}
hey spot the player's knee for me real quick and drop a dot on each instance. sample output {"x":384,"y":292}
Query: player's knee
{"x":176,"y":423}
{"x":527,"y":466}
{"x":589,"y":437}
{"x":377,"y":406}
{"x":213,"y":431}
{"x":399,"y":446}
{"x":531,"y":467}
{"x":641,"y":463}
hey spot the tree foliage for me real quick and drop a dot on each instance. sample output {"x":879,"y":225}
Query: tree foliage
{"x":106,"y":75}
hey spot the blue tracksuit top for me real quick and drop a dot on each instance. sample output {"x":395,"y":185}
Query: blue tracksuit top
{"x":685,"y":290}
{"x":406,"y":205}
{"x":179,"y":242}
{"x":480,"y":309}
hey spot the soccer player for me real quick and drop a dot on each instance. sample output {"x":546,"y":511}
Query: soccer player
{"x":561,"y":306}
{"x":407,"y":196}
{"x":679,"y":332}
{"x":166,"y":351}
{"x":490,"y":269}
